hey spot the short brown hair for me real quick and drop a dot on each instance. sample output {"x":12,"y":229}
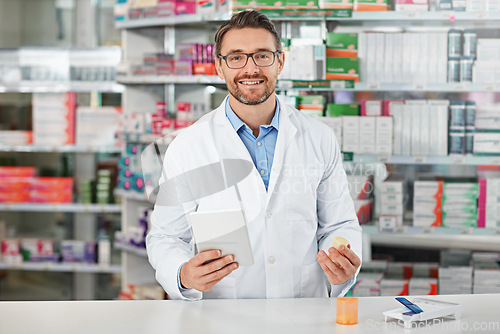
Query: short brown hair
{"x":246,"y":19}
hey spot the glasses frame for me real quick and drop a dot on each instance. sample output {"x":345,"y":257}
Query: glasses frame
{"x":249,"y":55}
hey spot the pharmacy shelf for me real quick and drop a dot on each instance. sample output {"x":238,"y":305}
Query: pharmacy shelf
{"x":45,"y":87}
{"x":288,"y":85}
{"x":485,"y":239}
{"x":60,"y":149}
{"x":451,"y":17}
{"x":320,"y":85}
{"x":146,"y":138}
{"x":427,"y":160}
{"x":172,"y":20}
{"x":63,"y":267}
{"x":132,"y":249}
{"x":170,"y":79}
{"x":131,"y":195}
{"x":427,"y":87}
{"x":70,"y":207}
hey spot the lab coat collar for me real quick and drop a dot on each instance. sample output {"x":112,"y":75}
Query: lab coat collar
{"x":286,"y":133}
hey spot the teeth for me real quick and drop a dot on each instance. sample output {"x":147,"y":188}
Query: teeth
{"x":250,"y":82}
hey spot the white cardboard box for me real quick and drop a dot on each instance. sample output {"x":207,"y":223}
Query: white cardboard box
{"x":366,"y":135}
{"x":350,"y":134}
{"x":97,"y":126}
{"x":383,"y":135}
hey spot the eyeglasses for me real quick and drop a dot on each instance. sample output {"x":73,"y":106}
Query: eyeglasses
{"x":238,"y":60}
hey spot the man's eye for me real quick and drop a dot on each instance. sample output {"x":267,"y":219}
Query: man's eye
{"x":263,"y":56}
{"x":234,"y":58}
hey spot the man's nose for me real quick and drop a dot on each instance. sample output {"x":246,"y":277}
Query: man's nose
{"x":251,"y":66}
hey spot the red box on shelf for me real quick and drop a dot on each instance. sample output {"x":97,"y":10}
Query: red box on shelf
{"x":179,"y":124}
{"x":204,"y":68}
{"x":10,"y":247}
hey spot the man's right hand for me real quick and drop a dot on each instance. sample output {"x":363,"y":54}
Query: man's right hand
{"x":206,"y":269}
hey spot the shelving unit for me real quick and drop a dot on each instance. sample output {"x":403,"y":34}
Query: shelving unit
{"x":447,"y":17}
{"x":132,"y":250}
{"x":457,"y":87}
{"x":63,"y":88}
{"x":480,"y":239}
{"x":84,"y":215}
{"x":171,"y":79}
{"x":64,"y":267}
{"x":59,"y":149}
{"x":288,"y":85}
{"x":70,"y":207}
{"x":471,"y":160}
{"x":160,"y":35}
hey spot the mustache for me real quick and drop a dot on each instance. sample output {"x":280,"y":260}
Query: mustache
{"x":252,"y":77}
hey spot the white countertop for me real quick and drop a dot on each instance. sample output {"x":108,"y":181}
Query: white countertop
{"x":481,"y":314}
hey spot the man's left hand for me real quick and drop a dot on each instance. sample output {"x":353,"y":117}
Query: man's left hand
{"x":339,"y":265}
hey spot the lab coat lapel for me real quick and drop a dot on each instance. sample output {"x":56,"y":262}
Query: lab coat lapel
{"x":224,"y":133}
{"x":286,"y":132}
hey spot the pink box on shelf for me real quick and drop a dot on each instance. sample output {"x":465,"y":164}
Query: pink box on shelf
{"x":166,"y":8}
{"x":481,"y":204}
{"x":183,"y":7}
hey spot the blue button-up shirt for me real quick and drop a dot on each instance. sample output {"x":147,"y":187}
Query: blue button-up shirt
{"x":261,"y":149}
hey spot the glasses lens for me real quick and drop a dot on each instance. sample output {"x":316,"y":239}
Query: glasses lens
{"x":264,"y":58}
{"x":236,"y":60}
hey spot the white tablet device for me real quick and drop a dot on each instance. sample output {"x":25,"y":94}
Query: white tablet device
{"x":224,"y":230}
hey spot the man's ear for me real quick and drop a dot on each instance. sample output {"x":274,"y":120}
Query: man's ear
{"x":281,"y":62}
{"x":218,"y":68}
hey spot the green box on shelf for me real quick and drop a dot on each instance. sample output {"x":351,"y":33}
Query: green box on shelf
{"x":463,"y":221}
{"x":285,"y":42}
{"x":468,"y":209}
{"x":312,"y":112}
{"x":302,"y":3}
{"x":270,"y":4}
{"x":243,"y":4}
{"x":311,"y":102}
{"x":343,"y":45}
{"x":336,"y":110}
{"x":337,"y":4}
{"x":342,"y":69}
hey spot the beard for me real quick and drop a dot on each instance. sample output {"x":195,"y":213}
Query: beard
{"x":246,"y":98}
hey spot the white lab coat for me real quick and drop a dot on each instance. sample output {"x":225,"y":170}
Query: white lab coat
{"x":307,"y":204}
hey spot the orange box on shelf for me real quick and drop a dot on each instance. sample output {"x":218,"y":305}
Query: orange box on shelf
{"x":14,"y":197}
{"x":52,"y":183}
{"x":370,"y":5}
{"x":10,"y":171}
{"x":15,"y":184}
{"x":37,"y":196}
{"x":204,"y":68}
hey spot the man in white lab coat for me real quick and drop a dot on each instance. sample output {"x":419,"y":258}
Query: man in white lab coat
{"x":295,"y":196}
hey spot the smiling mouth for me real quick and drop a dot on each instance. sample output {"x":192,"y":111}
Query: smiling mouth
{"x":250,"y":82}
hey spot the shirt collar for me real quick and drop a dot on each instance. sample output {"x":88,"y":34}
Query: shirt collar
{"x":237,"y":123}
